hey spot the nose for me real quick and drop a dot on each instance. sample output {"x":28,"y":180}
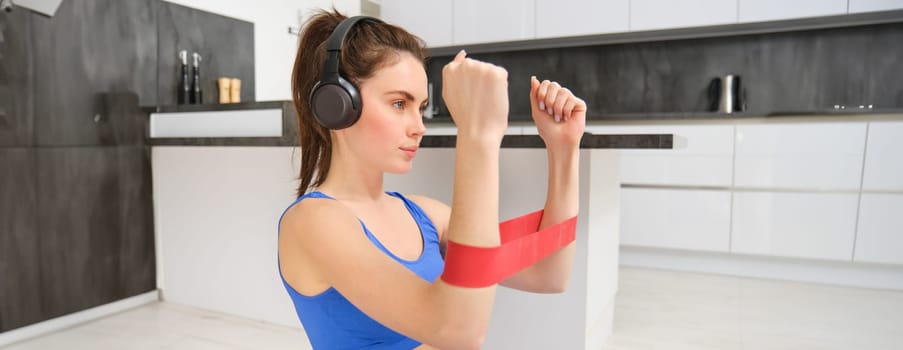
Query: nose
{"x":415,"y":126}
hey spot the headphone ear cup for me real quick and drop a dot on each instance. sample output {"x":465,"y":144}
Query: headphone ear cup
{"x":336,"y":103}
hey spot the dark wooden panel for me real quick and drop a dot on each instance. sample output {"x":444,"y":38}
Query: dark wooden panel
{"x":16,"y":79}
{"x":226,"y":45}
{"x":96,"y":226}
{"x":20,"y":286}
{"x":788,"y":71}
{"x":96,"y":61}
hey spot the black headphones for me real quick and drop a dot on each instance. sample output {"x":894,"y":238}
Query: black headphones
{"x":335,"y":101}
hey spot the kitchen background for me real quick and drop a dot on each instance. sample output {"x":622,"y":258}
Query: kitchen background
{"x":812,"y":194}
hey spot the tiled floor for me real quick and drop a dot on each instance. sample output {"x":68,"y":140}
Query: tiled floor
{"x":654,"y":310}
{"x":673,"y":310}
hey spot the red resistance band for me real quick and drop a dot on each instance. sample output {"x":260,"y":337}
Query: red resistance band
{"x":522,"y":244}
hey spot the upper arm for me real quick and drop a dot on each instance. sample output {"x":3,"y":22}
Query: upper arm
{"x":331,"y":237}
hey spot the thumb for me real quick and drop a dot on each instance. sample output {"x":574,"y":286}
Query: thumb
{"x":460,"y":56}
{"x":534,"y":89}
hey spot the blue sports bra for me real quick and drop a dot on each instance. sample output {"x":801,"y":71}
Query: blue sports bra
{"x":332,"y":322}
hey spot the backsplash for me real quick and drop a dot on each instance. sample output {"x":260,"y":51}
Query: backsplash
{"x":801,"y":70}
{"x":226,"y":45}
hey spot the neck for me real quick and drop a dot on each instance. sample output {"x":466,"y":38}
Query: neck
{"x":350,"y":179}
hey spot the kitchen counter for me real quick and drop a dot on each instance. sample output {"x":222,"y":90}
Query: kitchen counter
{"x":523,"y":134}
{"x":522,"y":138}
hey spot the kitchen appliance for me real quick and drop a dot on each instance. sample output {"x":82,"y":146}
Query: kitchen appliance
{"x":726,"y":94}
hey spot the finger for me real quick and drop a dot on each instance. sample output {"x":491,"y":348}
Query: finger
{"x":558,"y":107}
{"x":541,"y":95}
{"x":568,"y":108}
{"x":551,"y":96}
{"x":580,"y":107}
{"x":534,"y":88}
{"x":460,"y":56}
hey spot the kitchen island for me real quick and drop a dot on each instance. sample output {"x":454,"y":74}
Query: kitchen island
{"x":217,"y":200}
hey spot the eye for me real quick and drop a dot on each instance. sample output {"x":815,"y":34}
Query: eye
{"x":398,"y":104}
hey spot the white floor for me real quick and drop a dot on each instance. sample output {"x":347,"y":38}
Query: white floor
{"x":654,"y":310}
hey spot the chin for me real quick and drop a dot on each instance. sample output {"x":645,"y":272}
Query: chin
{"x":400,"y":169}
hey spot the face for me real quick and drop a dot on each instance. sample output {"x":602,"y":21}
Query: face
{"x":389,"y":130}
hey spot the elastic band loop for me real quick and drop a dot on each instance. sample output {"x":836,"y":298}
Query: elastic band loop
{"x":477,"y":267}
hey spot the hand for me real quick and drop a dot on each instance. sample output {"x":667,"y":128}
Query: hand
{"x":559,"y":115}
{"x":476,"y":94}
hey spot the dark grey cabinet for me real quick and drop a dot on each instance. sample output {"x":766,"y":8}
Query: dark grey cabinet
{"x":76,"y":212}
{"x":20,"y":284}
{"x":95,"y":223}
{"x":16,"y":79}
{"x":95,"y":63}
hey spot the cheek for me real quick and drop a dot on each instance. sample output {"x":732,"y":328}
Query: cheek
{"x":378,"y":126}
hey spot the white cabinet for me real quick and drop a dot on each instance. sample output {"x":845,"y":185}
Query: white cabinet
{"x":800,"y":156}
{"x":558,"y":18}
{"x":478,"y":21}
{"x":799,"y":225}
{"x":875,"y":5}
{"x":879,"y":237}
{"x":662,"y":14}
{"x":702,"y":155}
{"x":431,"y":20}
{"x":884,"y":156}
{"x":682,"y":219}
{"x":459,"y":22}
{"x":769,"y":10}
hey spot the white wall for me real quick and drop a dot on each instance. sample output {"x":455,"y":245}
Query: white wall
{"x":274,"y":47}
{"x":216,"y":211}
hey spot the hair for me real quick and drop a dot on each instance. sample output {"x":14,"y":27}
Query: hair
{"x":368,"y":46}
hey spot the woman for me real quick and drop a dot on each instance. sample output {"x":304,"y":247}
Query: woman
{"x":362,"y":265}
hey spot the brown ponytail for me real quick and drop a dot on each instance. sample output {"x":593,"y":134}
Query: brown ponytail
{"x":367,"y":47}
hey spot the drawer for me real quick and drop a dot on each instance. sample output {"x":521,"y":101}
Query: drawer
{"x":702,"y":155}
{"x":800,"y":156}
{"x":675,"y":218}
{"x":879,"y":237}
{"x":884,"y":156}
{"x":799,"y":225}
{"x":244,"y":123}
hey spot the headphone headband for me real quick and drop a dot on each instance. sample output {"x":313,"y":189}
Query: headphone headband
{"x":337,"y":38}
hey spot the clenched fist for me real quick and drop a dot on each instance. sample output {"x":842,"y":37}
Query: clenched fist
{"x":476,"y":94}
{"x":560,"y":116}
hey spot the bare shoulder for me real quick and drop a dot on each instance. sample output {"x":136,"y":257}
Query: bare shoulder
{"x":311,"y":215}
{"x":437,"y":211}
{"x":310,"y":227}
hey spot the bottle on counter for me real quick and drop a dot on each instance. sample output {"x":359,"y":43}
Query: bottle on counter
{"x":184,"y":84}
{"x":225,"y":85}
{"x":196,"y":93}
{"x":235,"y":91}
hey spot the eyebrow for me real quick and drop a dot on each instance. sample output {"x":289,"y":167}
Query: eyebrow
{"x":407,"y":95}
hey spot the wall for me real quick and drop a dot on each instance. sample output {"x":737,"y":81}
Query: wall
{"x":274,"y":47}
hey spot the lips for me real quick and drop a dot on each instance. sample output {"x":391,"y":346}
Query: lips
{"x":411,"y":151}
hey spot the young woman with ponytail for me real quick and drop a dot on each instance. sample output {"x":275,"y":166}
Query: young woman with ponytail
{"x":363,"y":266}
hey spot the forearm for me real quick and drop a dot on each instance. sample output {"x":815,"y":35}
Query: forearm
{"x":551,"y":274}
{"x":474,"y":211}
{"x":563,"y":192}
{"x":474,"y":222}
